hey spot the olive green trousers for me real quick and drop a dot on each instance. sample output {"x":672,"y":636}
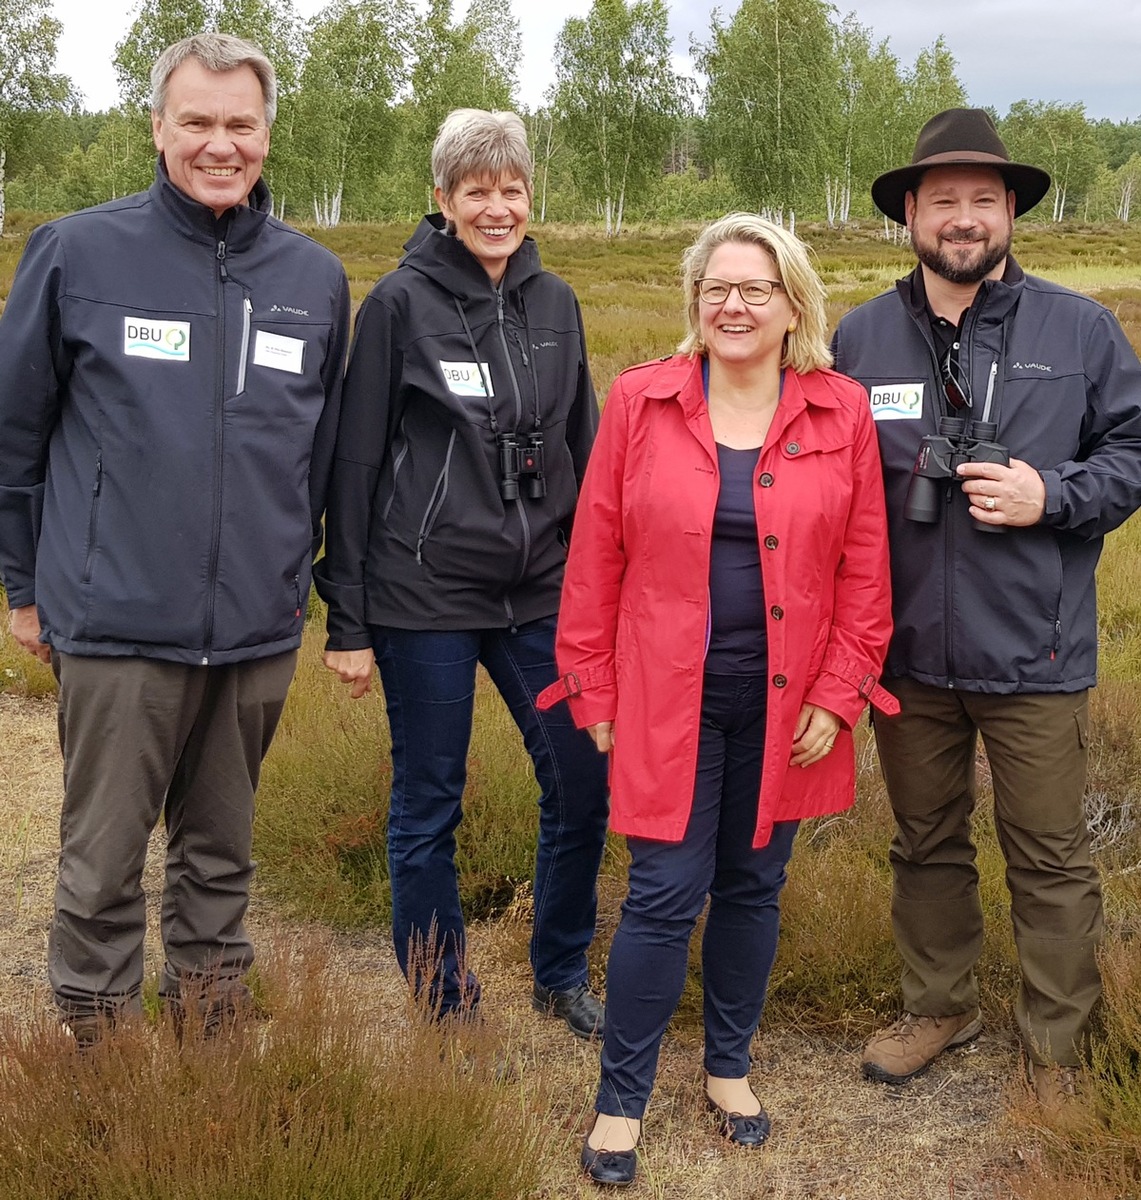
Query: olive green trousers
{"x":1037,"y":747}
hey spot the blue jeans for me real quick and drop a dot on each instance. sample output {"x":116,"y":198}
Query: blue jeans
{"x":429,"y":689}
{"x":669,"y":882}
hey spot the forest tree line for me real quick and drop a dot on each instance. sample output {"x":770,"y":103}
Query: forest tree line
{"x":799,"y":111}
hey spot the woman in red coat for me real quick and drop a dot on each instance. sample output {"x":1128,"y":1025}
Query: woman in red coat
{"x":725,"y":613}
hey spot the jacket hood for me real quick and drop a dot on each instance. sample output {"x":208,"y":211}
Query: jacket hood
{"x":237,"y":226}
{"x":444,"y":259}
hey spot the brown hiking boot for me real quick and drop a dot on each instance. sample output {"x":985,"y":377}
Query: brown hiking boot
{"x":907,"y":1048}
{"x":1056,"y":1088}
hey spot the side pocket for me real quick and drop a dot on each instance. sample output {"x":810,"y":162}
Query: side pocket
{"x":1081,"y":720}
{"x":93,"y":521}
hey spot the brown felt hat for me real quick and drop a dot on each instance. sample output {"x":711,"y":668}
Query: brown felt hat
{"x":959,"y":137}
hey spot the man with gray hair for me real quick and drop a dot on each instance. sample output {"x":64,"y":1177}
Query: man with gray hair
{"x":170,"y":379}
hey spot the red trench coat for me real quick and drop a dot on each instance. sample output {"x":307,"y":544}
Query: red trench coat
{"x":634,"y":617}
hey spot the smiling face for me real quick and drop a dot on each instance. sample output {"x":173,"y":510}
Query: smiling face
{"x":212,"y":133}
{"x":490,"y":218}
{"x":961,"y":221}
{"x":736,"y":332}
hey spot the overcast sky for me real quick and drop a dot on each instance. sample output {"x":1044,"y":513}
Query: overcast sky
{"x":1007,"y":50}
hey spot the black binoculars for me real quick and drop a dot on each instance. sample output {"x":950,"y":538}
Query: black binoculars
{"x":939,"y":454}
{"x":521,"y":461}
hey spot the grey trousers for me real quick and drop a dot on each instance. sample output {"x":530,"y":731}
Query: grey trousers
{"x":142,"y":738}
{"x":1036,"y":746}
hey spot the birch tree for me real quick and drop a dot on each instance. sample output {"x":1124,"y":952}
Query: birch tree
{"x":617,"y":99}
{"x":345,"y":126}
{"x":771,"y":101}
{"x":28,"y":84}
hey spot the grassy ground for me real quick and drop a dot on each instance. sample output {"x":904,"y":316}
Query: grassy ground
{"x":966,"y":1130}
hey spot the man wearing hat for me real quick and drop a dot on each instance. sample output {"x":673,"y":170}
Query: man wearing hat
{"x":993,"y":591}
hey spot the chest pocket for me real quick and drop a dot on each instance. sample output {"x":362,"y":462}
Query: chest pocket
{"x":818,"y":464}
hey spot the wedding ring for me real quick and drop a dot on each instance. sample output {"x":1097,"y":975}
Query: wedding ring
{"x":990,"y":504}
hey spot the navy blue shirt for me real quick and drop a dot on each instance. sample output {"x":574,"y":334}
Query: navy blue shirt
{"x":737,"y":641}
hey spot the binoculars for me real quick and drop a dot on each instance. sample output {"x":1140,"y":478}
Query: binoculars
{"x":957,"y":441}
{"x":521,"y":462}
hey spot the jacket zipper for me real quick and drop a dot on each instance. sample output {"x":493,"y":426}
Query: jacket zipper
{"x":397,"y":463}
{"x":247,"y":313}
{"x":435,"y":501}
{"x":89,"y":562}
{"x":525,"y":525}
{"x":219,"y":401}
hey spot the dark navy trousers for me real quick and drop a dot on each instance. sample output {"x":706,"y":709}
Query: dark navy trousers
{"x":669,"y":882}
{"x":429,"y":690}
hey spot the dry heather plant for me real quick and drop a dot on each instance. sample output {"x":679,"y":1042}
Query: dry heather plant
{"x":314,"y":1102}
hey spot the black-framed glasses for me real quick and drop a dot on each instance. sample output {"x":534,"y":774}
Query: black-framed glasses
{"x":752,"y":291}
{"x":956,"y":385}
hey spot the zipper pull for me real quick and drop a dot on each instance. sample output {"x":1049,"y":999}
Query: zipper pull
{"x":221,"y":256}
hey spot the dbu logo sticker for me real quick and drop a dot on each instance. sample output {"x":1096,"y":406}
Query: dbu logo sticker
{"x":168,"y":340}
{"x":467,"y":379}
{"x":897,"y":402}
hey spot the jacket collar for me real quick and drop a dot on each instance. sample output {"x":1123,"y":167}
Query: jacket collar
{"x":680,"y":379}
{"x":237,"y":226}
{"x":444,"y":259}
{"x":998,"y":296}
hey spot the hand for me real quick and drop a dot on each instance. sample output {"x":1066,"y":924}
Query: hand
{"x":603,"y":735}
{"x":816,"y":730}
{"x":353,"y":667}
{"x":1018,"y":492}
{"x":24,"y":622}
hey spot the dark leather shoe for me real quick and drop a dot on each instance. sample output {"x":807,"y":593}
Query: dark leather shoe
{"x":579,"y":1007}
{"x":741,"y":1130}
{"x":614,"y":1168}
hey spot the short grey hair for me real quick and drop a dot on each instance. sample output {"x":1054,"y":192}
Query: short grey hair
{"x":216,"y":52}
{"x":806,"y":347}
{"x":476,"y":144}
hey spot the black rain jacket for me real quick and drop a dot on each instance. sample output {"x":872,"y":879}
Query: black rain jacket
{"x":418,"y":533}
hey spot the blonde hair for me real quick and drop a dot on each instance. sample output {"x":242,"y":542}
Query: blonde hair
{"x":806,"y":347}
{"x":476,"y":144}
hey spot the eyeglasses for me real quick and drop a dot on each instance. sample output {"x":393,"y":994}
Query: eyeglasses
{"x":955,"y":384}
{"x":752,"y":291}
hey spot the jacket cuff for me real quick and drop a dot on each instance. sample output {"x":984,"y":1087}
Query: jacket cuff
{"x":867,"y":685}
{"x":573,"y":684}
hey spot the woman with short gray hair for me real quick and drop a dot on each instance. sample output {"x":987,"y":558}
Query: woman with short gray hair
{"x":467,"y":418}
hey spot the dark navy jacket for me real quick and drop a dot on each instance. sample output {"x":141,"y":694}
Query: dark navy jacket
{"x":169,"y":393}
{"x":1013,"y":611}
{"x":418,"y":535}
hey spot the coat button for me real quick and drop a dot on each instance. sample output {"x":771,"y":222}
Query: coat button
{"x":777,"y":612}
{"x":793,"y":447}
{"x":771,"y":542}
{"x":779,"y":681}
{"x":766,"y":480}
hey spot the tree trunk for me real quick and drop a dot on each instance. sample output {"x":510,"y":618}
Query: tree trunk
{"x":2,"y":158}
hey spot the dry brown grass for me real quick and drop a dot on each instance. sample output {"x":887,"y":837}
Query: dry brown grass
{"x":947,"y":1134}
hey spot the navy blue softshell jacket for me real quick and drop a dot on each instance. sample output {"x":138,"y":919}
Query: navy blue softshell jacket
{"x":169,"y":394}
{"x":1013,"y":611}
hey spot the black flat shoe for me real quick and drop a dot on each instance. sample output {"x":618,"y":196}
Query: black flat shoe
{"x":613,"y":1168}
{"x":578,"y":1006}
{"x":741,"y":1130}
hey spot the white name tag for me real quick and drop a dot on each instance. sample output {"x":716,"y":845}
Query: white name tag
{"x":147,"y":338}
{"x":467,"y":378}
{"x":897,"y":402}
{"x":280,"y":353}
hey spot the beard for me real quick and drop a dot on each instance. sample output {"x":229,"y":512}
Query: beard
{"x":939,"y":255}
